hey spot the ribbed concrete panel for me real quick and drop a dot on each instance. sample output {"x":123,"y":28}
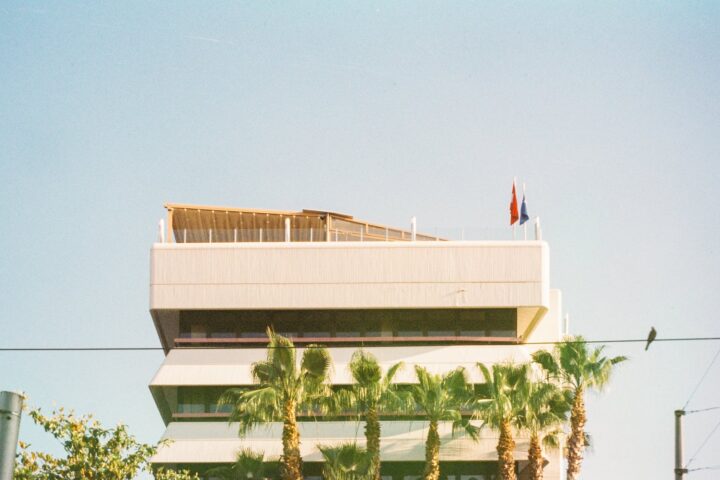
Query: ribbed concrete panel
{"x":198,"y":367}
{"x":349,"y":275}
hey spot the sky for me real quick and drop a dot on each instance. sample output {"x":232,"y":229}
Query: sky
{"x":609,"y":112}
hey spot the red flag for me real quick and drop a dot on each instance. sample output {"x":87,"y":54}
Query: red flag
{"x":514,"y":215}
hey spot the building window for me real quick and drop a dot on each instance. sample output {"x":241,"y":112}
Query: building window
{"x":400,"y":323}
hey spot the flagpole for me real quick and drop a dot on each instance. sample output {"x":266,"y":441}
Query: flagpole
{"x":524,"y":224}
{"x":514,"y":226}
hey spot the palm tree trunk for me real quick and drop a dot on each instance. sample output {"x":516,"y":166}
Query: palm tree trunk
{"x":432,"y":453}
{"x":372,"y":438}
{"x":291,"y":468}
{"x":576,"y":440}
{"x":505,"y":448}
{"x":535,"y":458}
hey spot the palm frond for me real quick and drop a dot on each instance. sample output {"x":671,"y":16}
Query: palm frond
{"x":346,"y":461}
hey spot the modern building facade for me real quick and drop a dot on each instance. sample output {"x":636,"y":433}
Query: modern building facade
{"x":220,"y":276}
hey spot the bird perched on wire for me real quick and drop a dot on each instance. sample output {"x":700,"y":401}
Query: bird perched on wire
{"x":651,"y":337}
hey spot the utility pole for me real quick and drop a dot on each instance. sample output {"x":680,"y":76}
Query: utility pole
{"x":10,"y":410}
{"x":679,"y":470}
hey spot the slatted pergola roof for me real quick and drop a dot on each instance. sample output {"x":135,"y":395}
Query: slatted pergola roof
{"x":203,"y":224}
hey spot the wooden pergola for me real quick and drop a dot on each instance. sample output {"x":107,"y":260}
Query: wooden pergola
{"x":210,"y":224}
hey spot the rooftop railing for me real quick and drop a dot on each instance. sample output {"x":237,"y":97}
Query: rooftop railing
{"x":357,"y":233}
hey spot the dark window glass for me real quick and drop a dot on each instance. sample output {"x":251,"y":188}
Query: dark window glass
{"x":224,"y":328}
{"x":317,"y":325}
{"x":471,"y":323}
{"x":286,"y":323}
{"x":191,"y":400}
{"x":407,"y":324}
{"x":502,"y":323}
{"x":253,"y":324}
{"x":441,"y":323}
{"x":349,"y":323}
{"x":372,"y":324}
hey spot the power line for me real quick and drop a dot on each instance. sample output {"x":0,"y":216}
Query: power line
{"x":702,"y":379}
{"x":703,"y":444}
{"x":702,"y":410}
{"x":125,"y":349}
{"x":78,"y":349}
{"x":714,"y":467}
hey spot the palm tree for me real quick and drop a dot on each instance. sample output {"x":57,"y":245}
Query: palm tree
{"x":542,"y":408}
{"x":248,"y":465}
{"x":284,"y":388}
{"x":345,"y":462}
{"x":500,"y":409}
{"x":442,"y":398}
{"x":579,"y":369}
{"x":371,"y":393}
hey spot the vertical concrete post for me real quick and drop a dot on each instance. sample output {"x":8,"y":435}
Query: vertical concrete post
{"x":287,"y":229}
{"x":413,"y":229}
{"x":679,"y":470}
{"x":10,"y":411}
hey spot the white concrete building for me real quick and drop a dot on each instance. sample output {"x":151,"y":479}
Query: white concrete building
{"x":219,"y":276}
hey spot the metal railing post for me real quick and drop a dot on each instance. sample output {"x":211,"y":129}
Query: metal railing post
{"x":161,"y":231}
{"x":10,"y":412}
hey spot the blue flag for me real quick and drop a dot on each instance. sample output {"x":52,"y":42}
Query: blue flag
{"x":523,"y":212}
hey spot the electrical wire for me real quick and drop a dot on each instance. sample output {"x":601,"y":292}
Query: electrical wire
{"x":702,"y":410}
{"x":123,"y":349}
{"x":714,"y":467}
{"x":702,"y":444}
{"x":702,"y":379}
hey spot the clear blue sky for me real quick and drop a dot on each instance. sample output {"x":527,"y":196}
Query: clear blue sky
{"x":609,"y":111}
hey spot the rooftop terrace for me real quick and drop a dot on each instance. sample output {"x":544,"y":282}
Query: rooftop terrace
{"x":212,"y":224}
{"x":207,"y":224}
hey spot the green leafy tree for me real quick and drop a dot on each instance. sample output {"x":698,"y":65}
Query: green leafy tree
{"x":248,"y":465}
{"x":442,"y":398}
{"x":285,"y":388}
{"x":500,"y":408}
{"x":346,"y":462}
{"x":92,"y":452}
{"x":579,"y":369}
{"x":542,"y":409}
{"x":163,"y":474}
{"x":371,"y":394}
